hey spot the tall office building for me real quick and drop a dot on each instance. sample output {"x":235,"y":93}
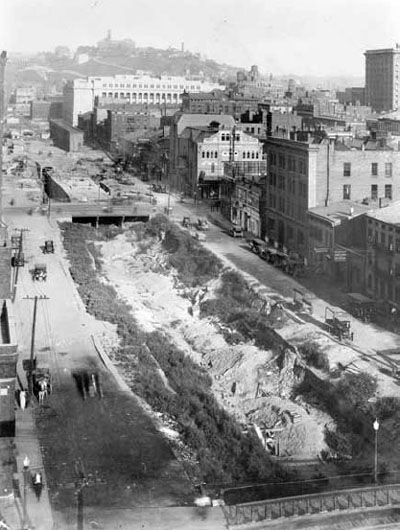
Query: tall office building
{"x":382,"y":88}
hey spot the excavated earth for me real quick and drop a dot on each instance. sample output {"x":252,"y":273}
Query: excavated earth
{"x":247,"y":380}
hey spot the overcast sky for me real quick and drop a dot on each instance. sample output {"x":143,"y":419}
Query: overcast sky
{"x":315,"y":37}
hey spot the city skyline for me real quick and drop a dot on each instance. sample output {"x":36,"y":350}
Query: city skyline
{"x":283,"y":37}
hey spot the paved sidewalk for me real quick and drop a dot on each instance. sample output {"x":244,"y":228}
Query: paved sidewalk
{"x":38,"y":511}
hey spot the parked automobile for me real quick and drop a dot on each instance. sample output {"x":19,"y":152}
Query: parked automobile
{"x":159,"y":188}
{"x":202,"y":224}
{"x":236,"y":231}
{"x":48,"y":247}
{"x":257,"y":246}
{"x":39,"y":272}
{"x":186,"y":222}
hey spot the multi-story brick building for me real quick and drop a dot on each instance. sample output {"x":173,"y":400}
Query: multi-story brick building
{"x":241,"y":193}
{"x":382,"y":83}
{"x":218,"y":102}
{"x":80,"y":94}
{"x":178,"y":158}
{"x":385,"y":125}
{"x":336,"y":239}
{"x":66,"y":137}
{"x":202,"y":152}
{"x":352,"y":96}
{"x":317,"y":172}
{"x":8,"y":370}
{"x":382,"y":277}
{"x":119,"y":123}
{"x":48,"y":109}
{"x":25,"y":94}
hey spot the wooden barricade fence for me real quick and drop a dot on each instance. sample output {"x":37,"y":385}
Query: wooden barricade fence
{"x":350,"y":499}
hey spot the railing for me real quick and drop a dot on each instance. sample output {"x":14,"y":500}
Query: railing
{"x":311,"y":504}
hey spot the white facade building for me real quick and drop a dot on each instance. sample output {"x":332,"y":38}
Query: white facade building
{"x":80,"y":94}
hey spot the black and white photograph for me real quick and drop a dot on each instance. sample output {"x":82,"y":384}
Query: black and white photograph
{"x":199,"y":265}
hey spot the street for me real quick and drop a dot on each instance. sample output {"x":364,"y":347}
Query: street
{"x":101,"y":435}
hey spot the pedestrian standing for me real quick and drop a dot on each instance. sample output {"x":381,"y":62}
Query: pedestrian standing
{"x":22,"y":399}
{"x":37,"y":484}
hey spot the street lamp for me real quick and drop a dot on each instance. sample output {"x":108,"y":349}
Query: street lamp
{"x":26,"y":477}
{"x":376,"y":428}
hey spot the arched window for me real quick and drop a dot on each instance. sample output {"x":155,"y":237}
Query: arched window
{"x":213,"y":168}
{"x":248,"y":154}
{"x":252,"y":154}
{"x":208,"y":154}
{"x":257,"y":155}
{"x":216,"y":154}
{"x":203,"y":154}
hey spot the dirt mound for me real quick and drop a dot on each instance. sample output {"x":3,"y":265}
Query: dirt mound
{"x":253,"y":384}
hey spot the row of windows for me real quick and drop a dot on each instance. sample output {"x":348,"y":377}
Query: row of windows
{"x":292,"y":209}
{"x":383,"y":226}
{"x":374,"y":191}
{"x":145,"y":95}
{"x":209,"y":154}
{"x":254,"y":155}
{"x":374,"y":169}
{"x":289,"y":162}
{"x":290,"y":231}
{"x":253,"y":130}
{"x":383,"y":289}
{"x":279,"y":181}
{"x":168,"y":87}
{"x":391,"y":244}
{"x":225,"y":137}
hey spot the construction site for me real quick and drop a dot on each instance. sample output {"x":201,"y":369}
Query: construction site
{"x":241,"y":377}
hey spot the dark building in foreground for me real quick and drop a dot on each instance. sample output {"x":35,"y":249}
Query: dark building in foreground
{"x":65,"y":136}
{"x":8,"y":370}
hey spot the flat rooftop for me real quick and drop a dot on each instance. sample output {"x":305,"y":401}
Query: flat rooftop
{"x":341,"y":210}
{"x":388,"y":214}
{"x":79,"y":188}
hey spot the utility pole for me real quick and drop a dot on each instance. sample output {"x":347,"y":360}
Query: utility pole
{"x":3,"y":60}
{"x":32,"y":355}
{"x":19,"y":256}
{"x":83,"y":480}
{"x":80,"y":484}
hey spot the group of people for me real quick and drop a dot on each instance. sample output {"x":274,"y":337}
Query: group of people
{"x":43,"y":390}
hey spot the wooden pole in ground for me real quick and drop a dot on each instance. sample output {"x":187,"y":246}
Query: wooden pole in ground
{"x":32,"y":354}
